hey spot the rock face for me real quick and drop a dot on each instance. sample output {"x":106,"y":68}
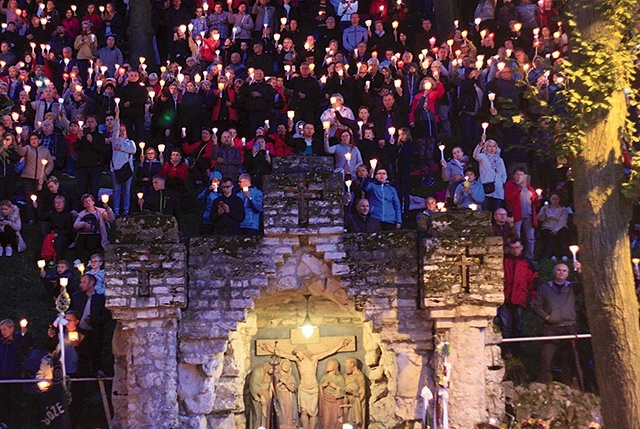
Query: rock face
{"x":188,"y":322}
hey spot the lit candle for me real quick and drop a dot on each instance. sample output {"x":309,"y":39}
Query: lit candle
{"x":290,"y":114}
{"x":440,"y":206}
{"x":18,"y":130}
{"x":44,"y":164}
{"x":74,"y":8}
{"x":539,"y":192}
{"x":348,"y":183}
{"x":391,"y":131}
{"x":184,"y":131}
{"x":141,"y":144}
{"x":368,"y":24}
{"x":360,"y":124}
{"x":326,"y":125}
{"x":347,"y":156}
{"x":574,"y":250}
{"x":140,"y":195}
{"x":266,"y":123}
{"x":373,"y":163}
{"x":397,"y":83}
{"x":81,"y":268}
{"x":73,"y":336}
{"x":636,"y":263}
{"x":455,"y":23}
{"x":24,"y":323}
{"x":215,"y":130}
{"x":473,"y":206}
{"x":80,"y":123}
{"x":64,"y":281}
{"x":41,"y":264}
{"x":245,"y":189}
{"x":105,"y":198}
{"x":441,"y":147}
{"x":492,"y":97}
{"x":161,"y":147}
{"x":117,"y":100}
{"x":485,"y":125}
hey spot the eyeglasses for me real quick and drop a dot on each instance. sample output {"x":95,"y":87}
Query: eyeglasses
{"x":227,"y":187}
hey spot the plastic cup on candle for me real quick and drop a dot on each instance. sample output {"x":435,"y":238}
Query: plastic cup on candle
{"x":24,"y":323}
{"x":326,"y":125}
{"x":440,"y":206}
{"x":574,"y":250}
{"x":73,"y":336}
{"x":161,"y":147}
{"x":473,"y":206}
{"x":441,"y":147}
{"x":290,"y":114}
{"x":373,"y":163}
{"x":34,"y":197}
{"x":539,"y":192}
{"x":141,"y":144}
{"x":485,"y":125}
{"x":81,"y":268}
{"x":105,"y":198}
{"x":117,"y":100}
{"x":348,"y":183}
{"x":392,"y":131}
{"x":64,"y":281}
{"x":347,"y":156}
{"x":41,"y":264}
{"x":139,"y":195}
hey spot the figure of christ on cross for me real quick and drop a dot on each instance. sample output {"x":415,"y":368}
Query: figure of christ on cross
{"x":308,"y":390}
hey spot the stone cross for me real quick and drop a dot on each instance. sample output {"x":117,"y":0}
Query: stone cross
{"x":302,"y":193}
{"x":144,"y":276}
{"x":464,"y":264}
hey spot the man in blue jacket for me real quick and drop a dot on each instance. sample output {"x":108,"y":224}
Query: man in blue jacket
{"x":385,"y":204}
{"x":252,"y":201}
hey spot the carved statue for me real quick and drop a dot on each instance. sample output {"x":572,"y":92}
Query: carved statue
{"x":286,"y":388}
{"x":355,"y":394}
{"x":308,"y":388}
{"x":332,"y":387}
{"x":261,"y":391}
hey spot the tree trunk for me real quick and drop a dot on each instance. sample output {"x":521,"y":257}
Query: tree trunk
{"x":140,"y":32}
{"x":602,"y":218}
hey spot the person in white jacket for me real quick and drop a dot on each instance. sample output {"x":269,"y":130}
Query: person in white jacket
{"x":492,"y":170}
{"x":123,"y":149}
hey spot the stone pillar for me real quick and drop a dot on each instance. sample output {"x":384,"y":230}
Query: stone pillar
{"x":145,"y":290}
{"x":462,"y":275}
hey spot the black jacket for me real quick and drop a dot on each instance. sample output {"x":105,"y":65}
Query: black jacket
{"x":357,"y":223}
{"x":227,"y":223}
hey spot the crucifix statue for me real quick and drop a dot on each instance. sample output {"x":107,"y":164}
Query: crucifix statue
{"x":302,"y":194}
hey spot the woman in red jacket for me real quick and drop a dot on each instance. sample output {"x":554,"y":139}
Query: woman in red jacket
{"x":523,"y":204}
{"x":224,"y":115}
{"x":175,"y":171}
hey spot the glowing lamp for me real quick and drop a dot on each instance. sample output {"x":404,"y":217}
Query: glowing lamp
{"x":307,"y":326}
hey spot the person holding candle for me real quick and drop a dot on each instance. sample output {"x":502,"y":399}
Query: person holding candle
{"x":384,"y":201}
{"x":51,"y":280}
{"x":148,"y":167}
{"x":162,"y":200}
{"x":252,"y":201}
{"x":331,"y":114}
{"x":354,"y":34}
{"x":13,"y":348}
{"x":305,"y":94}
{"x":493,"y":173}
{"x":92,"y":152}
{"x":9,"y":159}
{"x":39,"y":164}
{"x":133,"y":98}
{"x":94,"y":316}
{"x":208,"y":195}
{"x":555,"y":303}
{"x":346,"y":157}
{"x":470,"y":191}
{"x":522,"y":204}
{"x":91,"y":225}
{"x":554,"y":232}
{"x":227,"y":212}
{"x":110,"y":55}
{"x":453,"y":171}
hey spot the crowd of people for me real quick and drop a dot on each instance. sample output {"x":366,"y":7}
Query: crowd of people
{"x":378,"y":85}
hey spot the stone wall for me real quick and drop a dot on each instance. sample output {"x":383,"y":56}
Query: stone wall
{"x":188,"y":316}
